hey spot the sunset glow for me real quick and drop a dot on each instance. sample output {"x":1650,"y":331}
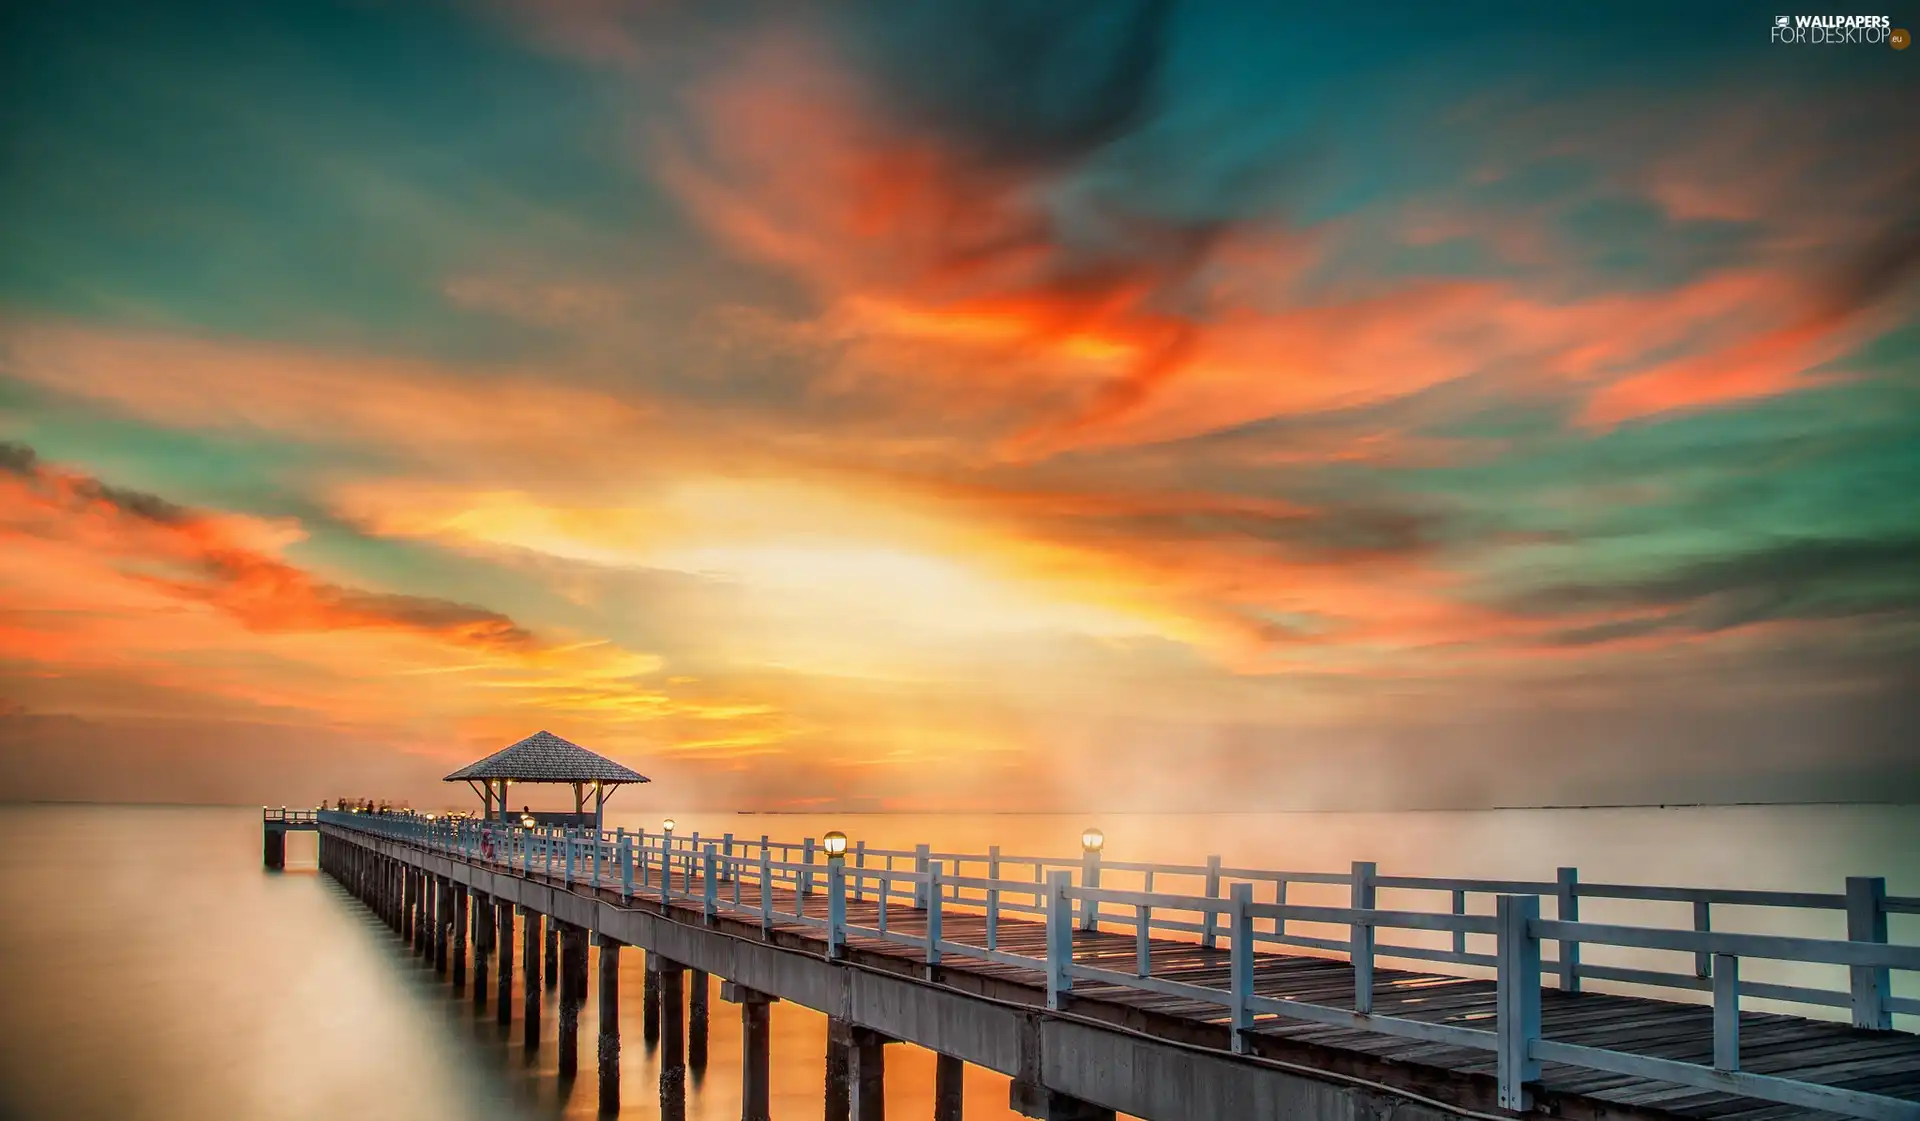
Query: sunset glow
{"x":1136,"y":405}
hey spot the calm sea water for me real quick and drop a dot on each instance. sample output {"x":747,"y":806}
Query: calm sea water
{"x":150,"y":968}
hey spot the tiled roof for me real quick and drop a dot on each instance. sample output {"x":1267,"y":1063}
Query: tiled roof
{"x":545,"y":757}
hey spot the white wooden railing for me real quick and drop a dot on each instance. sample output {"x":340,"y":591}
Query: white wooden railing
{"x":1067,"y":894}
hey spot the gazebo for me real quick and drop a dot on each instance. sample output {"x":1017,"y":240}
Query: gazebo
{"x":546,"y":758}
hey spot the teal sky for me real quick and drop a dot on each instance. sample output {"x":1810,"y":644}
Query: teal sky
{"x":940,"y":404}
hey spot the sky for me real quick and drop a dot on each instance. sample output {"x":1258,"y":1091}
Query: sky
{"x":959,"y":405}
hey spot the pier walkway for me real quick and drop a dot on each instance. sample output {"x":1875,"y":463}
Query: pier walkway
{"x":1098,"y":989}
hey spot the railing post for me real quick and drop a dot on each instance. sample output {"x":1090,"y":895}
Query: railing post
{"x":1867,"y":922}
{"x":1459,"y":908}
{"x":666,"y":868}
{"x":805,"y":886}
{"x":1059,"y":940}
{"x":566,"y":839}
{"x":726,"y":856}
{"x":1567,"y":909}
{"x":836,"y":908}
{"x":933,"y":913}
{"x":993,"y":897}
{"x":599,"y":841}
{"x":626,"y":866}
{"x":1702,"y":922}
{"x":766,"y":889}
{"x":710,"y":882}
{"x":920,"y":856}
{"x":1090,"y":879}
{"x":1208,"y":921}
{"x":1726,"y":1012}
{"x":859,"y":862}
{"x":1242,"y":933}
{"x":1360,"y":937}
{"x":1518,"y":999}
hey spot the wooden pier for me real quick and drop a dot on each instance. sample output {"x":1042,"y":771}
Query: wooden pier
{"x":1200,"y":1003}
{"x":276,"y":824}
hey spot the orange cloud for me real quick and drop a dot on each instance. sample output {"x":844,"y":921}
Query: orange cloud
{"x":459,"y":420}
{"x":210,"y":559}
{"x":1091,"y":326}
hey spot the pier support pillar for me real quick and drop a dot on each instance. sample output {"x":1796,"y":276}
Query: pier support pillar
{"x":650,"y":1003}
{"x":696,"y":1020}
{"x":756,"y":1031}
{"x":755,"y":1050}
{"x":422,"y":908}
{"x":442,"y":922}
{"x":553,"y":953}
{"x":573,"y":991}
{"x":948,"y":1095}
{"x":276,"y":848}
{"x":609,"y":1050}
{"x":482,"y":946}
{"x":673,"y":1031}
{"x":530,"y":921}
{"x":459,"y":939}
{"x":867,"y":1075}
{"x":406,"y":904}
{"x":1029,"y":1100}
{"x":503,"y":930}
{"x":839,"y":1070}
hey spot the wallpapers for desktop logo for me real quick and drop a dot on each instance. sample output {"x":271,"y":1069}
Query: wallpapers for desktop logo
{"x":1839,"y":31}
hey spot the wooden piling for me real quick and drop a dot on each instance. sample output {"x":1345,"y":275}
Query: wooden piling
{"x":503,"y":995}
{"x":482,"y":948}
{"x":530,"y":923}
{"x":866,"y":1075}
{"x":442,"y":922}
{"x":650,"y":1003}
{"x":553,"y":954}
{"x":756,"y":1031}
{"x":949,"y":1074}
{"x":406,"y":907}
{"x":459,"y":939}
{"x":573,"y":987}
{"x":609,"y":1049}
{"x":673,"y":1026}
{"x":696,"y":1020}
{"x":839,"y":1070}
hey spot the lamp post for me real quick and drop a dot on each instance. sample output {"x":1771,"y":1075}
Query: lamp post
{"x":1091,"y":842}
{"x":666,"y":857}
{"x":835,"y":844}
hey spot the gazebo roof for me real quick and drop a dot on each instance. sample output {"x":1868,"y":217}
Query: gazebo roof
{"x":545,"y":757}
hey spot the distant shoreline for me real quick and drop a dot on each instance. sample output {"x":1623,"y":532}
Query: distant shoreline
{"x":1084,"y":811}
{"x":1260,"y":813}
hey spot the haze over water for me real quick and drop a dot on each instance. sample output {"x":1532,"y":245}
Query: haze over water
{"x":154,"y":970}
